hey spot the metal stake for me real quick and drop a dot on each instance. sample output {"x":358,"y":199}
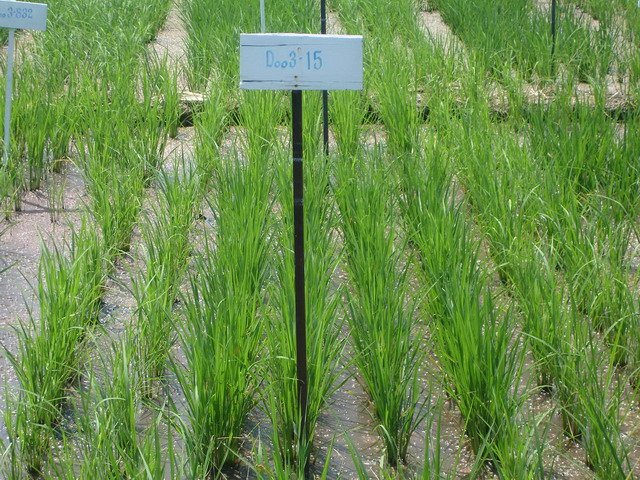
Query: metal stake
{"x":325,"y":93}
{"x":263,"y":18}
{"x":8,"y":96}
{"x":298,"y":248}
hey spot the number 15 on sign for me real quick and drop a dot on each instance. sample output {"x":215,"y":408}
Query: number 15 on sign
{"x":284,"y":61}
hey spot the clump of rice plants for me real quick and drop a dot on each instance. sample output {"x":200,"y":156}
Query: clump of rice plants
{"x":70,"y":287}
{"x":590,"y":398}
{"x":384,"y":331}
{"x":110,"y":441}
{"x":480,"y":361}
{"x":221,"y":336}
{"x":293,"y":438}
{"x":166,"y":235}
{"x":211,"y":41}
{"x":347,"y":111}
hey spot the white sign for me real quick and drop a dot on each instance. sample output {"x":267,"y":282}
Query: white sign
{"x":23,"y":15}
{"x":287,"y":61}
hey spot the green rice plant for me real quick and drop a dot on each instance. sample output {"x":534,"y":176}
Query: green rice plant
{"x":384,"y":331}
{"x":210,"y":126}
{"x":432,"y":467}
{"x":399,"y":21}
{"x":265,"y":467}
{"x":347,"y":111}
{"x":594,"y":271}
{"x":212,"y":39}
{"x":112,"y":439}
{"x":395,"y":86}
{"x":221,"y":336}
{"x":284,"y":16}
{"x":45,"y":105}
{"x":500,"y":185}
{"x":591,"y":400}
{"x":481,"y":361}
{"x":293,"y":437}
{"x":166,"y":234}
{"x":623,"y":177}
{"x":516,"y":34}
{"x":69,"y":291}
{"x":541,"y":303}
{"x":260,"y":113}
{"x":116,"y":198}
{"x":561,"y":136}
{"x":11,"y":185}
{"x":634,"y":345}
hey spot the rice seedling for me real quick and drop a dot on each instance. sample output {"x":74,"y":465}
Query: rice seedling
{"x":384,"y":332}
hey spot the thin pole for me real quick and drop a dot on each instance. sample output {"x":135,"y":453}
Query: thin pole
{"x":263,"y":19}
{"x":298,"y":247}
{"x":8,"y":96}
{"x":325,"y":94}
{"x":553,"y":31}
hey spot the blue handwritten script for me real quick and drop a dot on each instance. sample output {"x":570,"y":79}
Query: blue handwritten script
{"x":309,"y":60}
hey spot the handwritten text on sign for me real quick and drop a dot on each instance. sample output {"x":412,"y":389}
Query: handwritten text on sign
{"x":23,"y":15}
{"x":286,"y":61}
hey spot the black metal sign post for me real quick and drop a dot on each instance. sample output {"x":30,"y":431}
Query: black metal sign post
{"x":296,"y":62}
{"x":298,"y":249}
{"x":325,"y":93}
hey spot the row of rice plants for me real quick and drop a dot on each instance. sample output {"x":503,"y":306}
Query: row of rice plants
{"x":406,"y":140}
{"x":510,"y":197}
{"x":72,"y":275}
{"x":259,"y":114}
{"x":120,"y":429}
{"x":384,"y":328}
{"x":70,"y":285}
{"x":109,"y":439}
{"x":53,"y":72}
{"x":166,"y":232}
{"x":293,"y":435}
{"x":437,"y":228}
{"x":509,"y":34}
{"x":405,"y":64}
{"x":221,"y":336}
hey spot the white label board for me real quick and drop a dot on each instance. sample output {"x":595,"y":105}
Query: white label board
{"x":23,"y":15}
{"x":288,"y":61}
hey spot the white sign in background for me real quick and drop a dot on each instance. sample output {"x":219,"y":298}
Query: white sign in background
{"x":23,"y":15}
{"x":14,"y":15}
{"x":289,"y":61}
